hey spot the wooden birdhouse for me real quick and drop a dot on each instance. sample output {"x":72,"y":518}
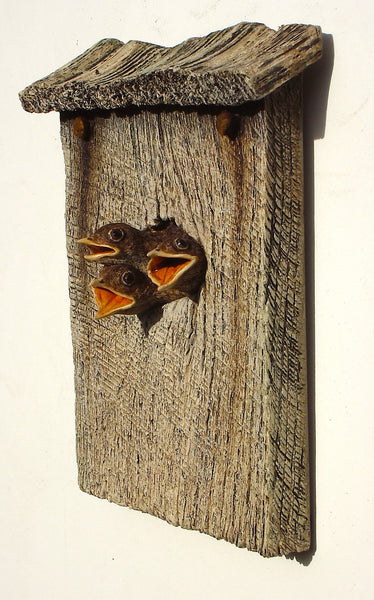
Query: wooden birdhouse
{"x":192,"y":405}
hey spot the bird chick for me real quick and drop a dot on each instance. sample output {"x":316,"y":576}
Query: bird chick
{"x":176,"y":260}
{"x":116,"y":242}
{"x":123,"y":289}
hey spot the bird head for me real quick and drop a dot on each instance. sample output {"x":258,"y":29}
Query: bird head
{"x":122,"y":289}
{"x":112,"y":241}
{"x":175,"y":260}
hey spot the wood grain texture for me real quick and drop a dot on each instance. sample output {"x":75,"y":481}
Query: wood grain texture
{"x":202,"y":421}
{"x":238,"y":64}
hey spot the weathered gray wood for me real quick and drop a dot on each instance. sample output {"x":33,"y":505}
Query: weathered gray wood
{"x":202,"y":421}
{"x":239,"y":64}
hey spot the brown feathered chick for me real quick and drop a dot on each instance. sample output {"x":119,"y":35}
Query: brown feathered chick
{"x":123,"y":289}
{"x":176,"y":260}
{"x":117,"y":242}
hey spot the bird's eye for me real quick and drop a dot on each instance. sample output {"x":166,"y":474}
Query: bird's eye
{"x":181,"y":244}
{"x":128,"y":278}
{"x":116,"y":234}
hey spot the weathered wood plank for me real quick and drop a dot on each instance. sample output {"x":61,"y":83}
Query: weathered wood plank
{"x":203,"y":420}
{"x":289,"y":510}
{"x":241,"y":63}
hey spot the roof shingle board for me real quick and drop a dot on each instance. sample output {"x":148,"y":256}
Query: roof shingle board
{"x":229,"y":67}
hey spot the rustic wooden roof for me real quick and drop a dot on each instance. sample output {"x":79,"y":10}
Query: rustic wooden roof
{"x":229,"y":67}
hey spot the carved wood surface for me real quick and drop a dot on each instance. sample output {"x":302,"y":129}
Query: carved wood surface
{"x":202,"y":420}
{"x":229,"y":67}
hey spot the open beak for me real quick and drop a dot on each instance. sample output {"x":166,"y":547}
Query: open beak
{"x":108,"y":301}
{"x":97,"y":251}
{"x":164,"y":269}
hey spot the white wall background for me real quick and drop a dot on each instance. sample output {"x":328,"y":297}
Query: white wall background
{"x":58,"y":543}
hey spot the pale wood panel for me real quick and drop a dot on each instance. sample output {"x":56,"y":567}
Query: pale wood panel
{"x":202,"y":421}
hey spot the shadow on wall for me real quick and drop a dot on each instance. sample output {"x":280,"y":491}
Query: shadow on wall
{"x":316,"y":91}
